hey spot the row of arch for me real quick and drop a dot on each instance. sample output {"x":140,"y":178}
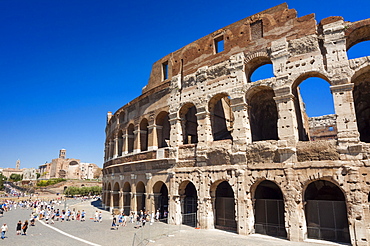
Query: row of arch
{"x":263,"y":118}
{"x":325,"y":206}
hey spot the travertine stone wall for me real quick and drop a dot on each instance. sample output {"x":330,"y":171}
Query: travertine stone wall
{"x":207,"y":137}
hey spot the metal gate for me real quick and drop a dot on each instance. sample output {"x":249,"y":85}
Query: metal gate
{"x":225,"y":213}
{"x":189,"y":215}
{"x":269,"y":218}
{"x":327,"y":220}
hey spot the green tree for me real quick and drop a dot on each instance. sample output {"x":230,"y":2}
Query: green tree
{"x":15,"y":177}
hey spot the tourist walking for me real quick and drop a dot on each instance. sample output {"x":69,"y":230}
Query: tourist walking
{"x":25,"y":227}
{"x":4,"y":228}
{"x":19,"y":227}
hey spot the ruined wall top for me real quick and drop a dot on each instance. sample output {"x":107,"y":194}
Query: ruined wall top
{"x":250,"y":35}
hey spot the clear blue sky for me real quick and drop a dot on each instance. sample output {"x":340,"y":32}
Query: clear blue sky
{"x":65,"y":63}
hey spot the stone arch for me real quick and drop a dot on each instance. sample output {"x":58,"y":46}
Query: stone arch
{"x":299,"y":106}
{"x":189,"y":123}
{"x":357,"y":32}
{"x":361,"y":99}
{"x":254,"y":61}
{"x":130,"y":138}
{"x":126,"y":198}
{"x":116,"y":190}
{"x":263,"y":114}
{"x":163,"y":129}
{"x":224,"y":205}
{"x":222,"y":117}
{"x":189,"y":203}
{"x":160,"y":191}
{"x":269,"y":209}
{"x":326,"y":212}
{"x":144,"y":134}
{"x":140,"y":196}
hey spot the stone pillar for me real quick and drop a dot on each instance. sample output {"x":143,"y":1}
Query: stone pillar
{"x":345,"y":111}
{"x":204,"y":129}
{"x":124,"y":144}
{"x":137,"y":142}
{"x":241,"y":130}
{"x":133,"y":202}
{"x":106,"y":152}
{"x":111,"y":202}
{"x":174,"y":215}
{"x":111,"y":149}
{"x":287,"y":121}
{"x":120,"y":203}
{"x":152,"y":138}
{"x":355,"y":208}
{"x":176,"y":131}
{"x":241,"y":203}
{"x":115,"y":150}
{"x":294,"y":208}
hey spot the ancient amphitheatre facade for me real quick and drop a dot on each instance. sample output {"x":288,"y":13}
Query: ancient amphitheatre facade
{"x":204,"y":140}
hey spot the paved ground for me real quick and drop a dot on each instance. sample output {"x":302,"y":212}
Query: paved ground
{"x":92,"y":233}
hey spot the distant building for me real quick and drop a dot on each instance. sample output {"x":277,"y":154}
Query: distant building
{"x":68,"y":168}
{"x":9,"y":171}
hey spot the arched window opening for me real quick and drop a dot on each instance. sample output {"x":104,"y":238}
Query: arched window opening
{"x":131,"y":138}
{"x":222,"y":118}
{"x":144,"y":135}
{"x":189,"y":204}
{"x":116,"y":196}
{"x":120,"y":143}
{"x":140,"y":197}
{"x":326,"y":212}
{"x":161,"y":200}
{"x":163,"y":129}
{"x":108,"y":195}
{"x":361,"y":49}
{"x":263,"y":114}
{"x":361,"y":97}
{"x":263,"y":72}
{"x":126,"y":198}
{"x":269,"y":210}
{"x":225,"y":207}
{"x":314,"y":109}
{"x":189,"y":124}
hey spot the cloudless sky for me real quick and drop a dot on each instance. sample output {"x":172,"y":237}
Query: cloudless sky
{"x":65,"y":63}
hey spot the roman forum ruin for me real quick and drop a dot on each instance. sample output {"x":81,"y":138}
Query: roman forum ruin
{"x":215,"y":149}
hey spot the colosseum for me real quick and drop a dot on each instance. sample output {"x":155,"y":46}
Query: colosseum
{"x":212,"y":148}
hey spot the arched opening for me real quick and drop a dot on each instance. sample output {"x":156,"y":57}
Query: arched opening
{"x":140,"y":196}
{"x":189,"y":124}
{"x":361,"y":49}
{"x":263,"y":72}
{"x":116,"y":195}
{"x":225,"y":207}
{"x":189,"y":203}
{"x":131,"y":138}
{"x":108,"y":196}
{"x":120,"y":143}
{"x":361,"y":97}
{"x":163,"y":129}
{"x":314,"y":108}
{"x":161,"y":200}
{"x":326,"y":212}
{"x":259,"y":68}
{"x":222,"y":118}
{"x":269,"y":210}
{"x":144,"y":135}
{"x":127,"y":198}
{"x":263,"y":114}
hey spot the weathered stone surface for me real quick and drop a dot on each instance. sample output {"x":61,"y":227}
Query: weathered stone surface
{"x":207,"y":137}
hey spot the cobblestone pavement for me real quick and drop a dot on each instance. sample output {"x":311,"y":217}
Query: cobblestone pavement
{"x":93,"y":233}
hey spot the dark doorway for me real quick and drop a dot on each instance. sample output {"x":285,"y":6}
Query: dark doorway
{"x":326,"y":212}
{"x":225,"y":207}
{"x":269,"y":210}
{"x":190,"y":206}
